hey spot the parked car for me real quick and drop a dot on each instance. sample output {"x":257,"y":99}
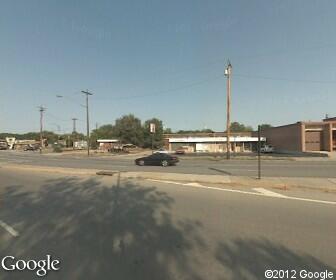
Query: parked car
{"x":267,"y":149}
{"x":157,"y":159}
{"x":161,"y":151}
{"x":3,"y":145}
{"x":31,"y":148}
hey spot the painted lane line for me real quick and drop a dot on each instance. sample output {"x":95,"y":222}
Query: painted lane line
{"x":268,"y":193}
{"x":196,"y":185}
{"x":9,"y":229}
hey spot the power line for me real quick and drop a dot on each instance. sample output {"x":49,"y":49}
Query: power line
{"x":68,"y":98}
{"x":163,"y":92}
{"x":282,"y":79}
{"x":61,"y":119}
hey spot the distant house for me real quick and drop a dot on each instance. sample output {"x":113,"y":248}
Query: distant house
{"x":22,"y":144}
{"x":107,"y":144}
{"x":80,"y":145}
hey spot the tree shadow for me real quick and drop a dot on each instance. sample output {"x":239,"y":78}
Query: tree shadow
{"x":250,"y":258}
{"x":99,"y":232}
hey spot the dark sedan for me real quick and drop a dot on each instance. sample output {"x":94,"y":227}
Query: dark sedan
{"x":157,"y":159}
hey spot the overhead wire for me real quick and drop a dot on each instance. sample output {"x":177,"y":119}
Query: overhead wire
{"x":282,"y":79}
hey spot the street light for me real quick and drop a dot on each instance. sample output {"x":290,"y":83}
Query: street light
{"x":227,"y":74}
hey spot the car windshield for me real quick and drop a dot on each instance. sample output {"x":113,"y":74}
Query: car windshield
{"x":168,"y":139}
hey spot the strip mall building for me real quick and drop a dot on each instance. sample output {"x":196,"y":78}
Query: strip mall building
{"x":296,"y":137}
{"x":211,"y":142}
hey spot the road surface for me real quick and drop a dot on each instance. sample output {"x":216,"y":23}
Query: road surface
{"x":270,"y":168}
{"x":102,"y":228}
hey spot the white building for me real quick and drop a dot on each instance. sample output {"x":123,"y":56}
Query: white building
{"x":214,"y":144}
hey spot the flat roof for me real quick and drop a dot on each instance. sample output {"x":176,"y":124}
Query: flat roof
{"x":214,"y":139}
{"x":107,"y":140}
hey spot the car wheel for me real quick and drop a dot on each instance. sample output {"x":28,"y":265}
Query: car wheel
{"x":141,"y":163}
{"x":164,"y":163}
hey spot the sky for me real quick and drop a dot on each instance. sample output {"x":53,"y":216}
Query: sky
{"x":166,"y":59}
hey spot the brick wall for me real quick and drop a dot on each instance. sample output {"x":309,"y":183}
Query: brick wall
{"x":285,"y":138}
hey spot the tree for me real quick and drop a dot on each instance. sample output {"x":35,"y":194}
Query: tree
{"x":239,"y":127}
{"x":167,"y":131}
{"x":206,"y":130}
{"x":106,"y":131}
{"x":157,"y":136}
{"x":128,"y":130}
{"x":265,"y":126}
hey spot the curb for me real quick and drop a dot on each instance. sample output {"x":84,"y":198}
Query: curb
{"x":321,"y":184}
{"x":214,"y":179}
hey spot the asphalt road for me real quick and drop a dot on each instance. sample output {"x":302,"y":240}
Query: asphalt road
{"x":102,"y":228}
{"x":271,"y":168}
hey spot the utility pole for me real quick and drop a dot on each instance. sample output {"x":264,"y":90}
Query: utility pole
{"x":259,"y":152}
{"x":227,"y":73}
{"x":74,"y":135}
{"x":87,"y":93}
{"x":152,"y":128}
{"x":41,"y":109}
{"x":74,"y":125}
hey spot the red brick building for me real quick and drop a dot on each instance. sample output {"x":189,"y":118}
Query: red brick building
{"x":303,"y":136}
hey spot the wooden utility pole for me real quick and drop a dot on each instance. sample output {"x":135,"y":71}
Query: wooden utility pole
{"x":87,"y":93}
{"x":259,"y":152}
{"x":74,"y":133}
{"x":41,"y":109}
{"x":227,"y":73}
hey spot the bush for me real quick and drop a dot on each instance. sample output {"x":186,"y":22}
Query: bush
{"x":57,"y":149}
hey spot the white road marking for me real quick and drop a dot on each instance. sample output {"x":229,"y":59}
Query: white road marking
{"x":9,"y":229}
{"x":196,"y":185}
{"x":332,"y":180}
{"x":268,"y":193}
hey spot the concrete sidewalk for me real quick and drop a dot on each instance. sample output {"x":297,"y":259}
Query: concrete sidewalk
{"x":322,"y":184}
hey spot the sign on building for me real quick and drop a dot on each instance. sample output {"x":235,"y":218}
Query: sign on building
{"x":152,"y":127}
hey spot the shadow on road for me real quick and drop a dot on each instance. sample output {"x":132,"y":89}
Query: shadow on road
{"x":220,"y":170}
{"x":99,"y":232}
{"x":127,"y":232}
{"x":248,"y":259}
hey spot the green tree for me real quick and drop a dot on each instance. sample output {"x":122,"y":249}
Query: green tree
{"x":128,"y":130}
{"x":206,"y":130}
{"x":167,"y":131}
{"x":239,"y":127}
{"x":106,"y":131}
{"x":157,"y":136}
{"x":265,"y":126}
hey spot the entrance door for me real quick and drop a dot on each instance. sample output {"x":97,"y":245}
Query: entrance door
{"x":334,"y":139}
